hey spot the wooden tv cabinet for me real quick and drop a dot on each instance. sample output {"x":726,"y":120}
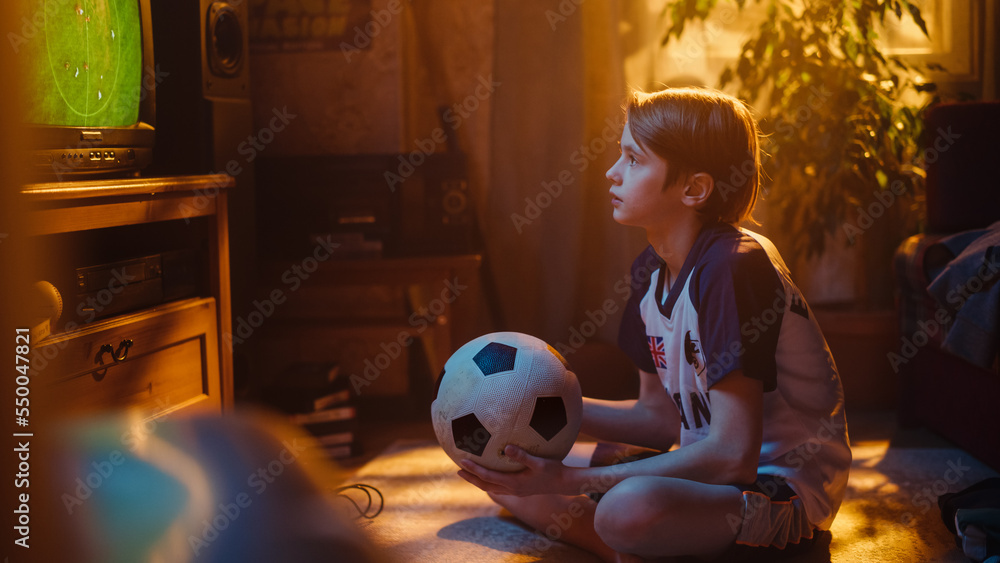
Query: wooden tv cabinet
{"x":153,"y":358}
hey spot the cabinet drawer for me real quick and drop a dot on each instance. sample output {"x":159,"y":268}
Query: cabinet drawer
{"x":172,"y":363}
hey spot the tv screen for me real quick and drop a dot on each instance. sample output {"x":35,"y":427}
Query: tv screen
{"x":89,"y":81}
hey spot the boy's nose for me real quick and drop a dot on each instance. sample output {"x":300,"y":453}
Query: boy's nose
{"x":611,"y":174}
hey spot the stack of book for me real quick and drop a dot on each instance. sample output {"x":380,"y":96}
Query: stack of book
{"x":317,"y":398}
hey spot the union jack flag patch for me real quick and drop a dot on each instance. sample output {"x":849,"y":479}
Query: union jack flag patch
{"x":657,"y":351}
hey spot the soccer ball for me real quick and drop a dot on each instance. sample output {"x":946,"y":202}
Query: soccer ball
{"x":506,"y":388}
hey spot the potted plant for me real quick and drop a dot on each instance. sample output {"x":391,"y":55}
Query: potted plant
{"x":841,"y":120}
{"x":842,"y":124}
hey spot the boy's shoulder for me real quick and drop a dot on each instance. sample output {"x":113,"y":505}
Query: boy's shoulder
{"x":721,"y":251}
{"x":733,"y":259}
{"x":729,"y":248}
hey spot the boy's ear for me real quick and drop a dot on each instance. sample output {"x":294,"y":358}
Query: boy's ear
{"x":698,"y":189}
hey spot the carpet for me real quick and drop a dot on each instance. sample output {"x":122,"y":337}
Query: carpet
{"x":889,"y":514}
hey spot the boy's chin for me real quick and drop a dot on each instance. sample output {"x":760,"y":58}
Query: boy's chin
{"x":622,"y":219}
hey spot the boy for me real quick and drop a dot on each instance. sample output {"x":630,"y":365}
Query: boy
{"x":731,"y":363}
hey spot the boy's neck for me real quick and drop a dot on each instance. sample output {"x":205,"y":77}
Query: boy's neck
{"x":674,"y":242}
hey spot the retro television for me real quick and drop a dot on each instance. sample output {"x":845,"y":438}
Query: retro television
{"x":89,"y":84}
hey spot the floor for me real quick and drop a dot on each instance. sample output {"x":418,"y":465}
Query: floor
{"x":892,"y":465}
{"x":382,"y":422}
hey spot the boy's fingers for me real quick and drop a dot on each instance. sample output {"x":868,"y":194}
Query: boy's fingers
{"x":484,"y":485}
{"x":519,"y":455}
{"x":488,"y":475}
{"x":514,"y":452}
{"x":472,"y":467}
{"x":471,"y":478}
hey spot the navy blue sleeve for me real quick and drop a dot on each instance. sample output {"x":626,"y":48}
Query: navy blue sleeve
{"x":632,"y":337}
{"x":740,"y":302}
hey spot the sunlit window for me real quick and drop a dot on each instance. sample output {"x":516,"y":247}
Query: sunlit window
{"x":708,"y":47}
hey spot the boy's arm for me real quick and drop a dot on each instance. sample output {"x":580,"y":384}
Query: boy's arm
{"x":650,"y":421}
{"x":728,"y":455}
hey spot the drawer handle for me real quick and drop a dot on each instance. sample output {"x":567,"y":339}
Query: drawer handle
{"x":120,"y":354}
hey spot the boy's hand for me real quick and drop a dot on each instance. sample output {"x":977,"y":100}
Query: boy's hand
{"x":539,"y":476}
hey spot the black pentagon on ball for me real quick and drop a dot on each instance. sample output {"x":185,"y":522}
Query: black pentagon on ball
{"x":495,"y":358}
{"x":470,"y":435}
{"x":549,"y":416}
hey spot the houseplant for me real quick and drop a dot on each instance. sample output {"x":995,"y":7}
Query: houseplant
{"x":842,"y":126}
{"x":842,"y":122}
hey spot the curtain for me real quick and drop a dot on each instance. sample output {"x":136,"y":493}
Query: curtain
{"x":558,"y":259}
{"x":534,"y":89}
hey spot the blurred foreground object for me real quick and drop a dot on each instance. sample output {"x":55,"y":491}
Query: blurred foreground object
{"x":246,"y":487}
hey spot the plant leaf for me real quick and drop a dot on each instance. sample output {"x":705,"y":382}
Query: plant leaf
{"x":918,"y":19}
{"x":727,"y":76}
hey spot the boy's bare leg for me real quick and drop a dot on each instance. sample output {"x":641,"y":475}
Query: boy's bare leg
{"x":663,"y":516}
{"x":659,"y":517}
{"x":565,"y":518}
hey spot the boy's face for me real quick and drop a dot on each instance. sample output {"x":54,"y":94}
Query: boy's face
{"x":638,"y":195}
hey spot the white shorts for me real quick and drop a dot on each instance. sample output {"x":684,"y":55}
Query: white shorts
{"x":773,"y":515}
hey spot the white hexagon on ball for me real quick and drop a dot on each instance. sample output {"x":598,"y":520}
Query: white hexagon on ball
{"x":506,"y":388}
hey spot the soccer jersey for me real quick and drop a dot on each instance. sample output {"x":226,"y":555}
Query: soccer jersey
{"x":733,"y":306}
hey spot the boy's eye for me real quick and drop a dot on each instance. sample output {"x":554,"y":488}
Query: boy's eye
{"x":631,"y":161}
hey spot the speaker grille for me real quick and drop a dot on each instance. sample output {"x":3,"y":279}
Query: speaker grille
{"x":225,"y":40}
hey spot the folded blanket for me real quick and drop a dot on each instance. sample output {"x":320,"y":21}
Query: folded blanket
{"x":967,"y":286}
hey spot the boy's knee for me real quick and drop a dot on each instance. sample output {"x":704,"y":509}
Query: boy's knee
{"x":623,"y":516}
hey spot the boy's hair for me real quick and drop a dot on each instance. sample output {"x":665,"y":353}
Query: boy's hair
{"x":702,"y":130}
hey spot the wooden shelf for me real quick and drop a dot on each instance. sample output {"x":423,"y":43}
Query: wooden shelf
{"x":171,"y":350}
{"x":71,"y":207}
{"x":432,"y":301}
